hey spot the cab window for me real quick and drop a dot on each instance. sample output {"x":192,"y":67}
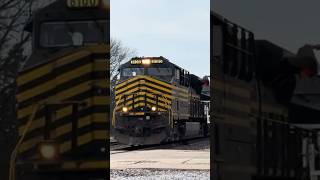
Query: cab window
{"x":130,"y":72}
{"x":71,"y":33}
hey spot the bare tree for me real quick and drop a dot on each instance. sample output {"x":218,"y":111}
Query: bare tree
{"x":119,"y":54}
{"x":15,"y":48}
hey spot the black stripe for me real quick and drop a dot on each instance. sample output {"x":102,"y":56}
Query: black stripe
{"x":144,"y":85}
{"x":56,"y":72}
{"x":84,"y":130}
{"x":105,"y":56}
{"x":177,"y":90}
{"x":60,"y":56}
{"x":81,"y":114}
{"x":60,"y":88}
{"x":78,"y":97}
{"x":142,"y":101}
{"x":83,"y":148}
{"x":68,"y":119}
{"x":121,"y":87}
{"x":142,"y":96}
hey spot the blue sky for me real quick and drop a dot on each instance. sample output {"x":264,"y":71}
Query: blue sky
{"x":179,"y":30}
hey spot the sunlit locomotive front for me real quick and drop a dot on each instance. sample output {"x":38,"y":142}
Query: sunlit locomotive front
{"x":155,"y":102}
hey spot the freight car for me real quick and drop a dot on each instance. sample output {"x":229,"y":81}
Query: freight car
{"x":259,"y":115}
{"x":157,"y":101}
{"x":63,"y":94}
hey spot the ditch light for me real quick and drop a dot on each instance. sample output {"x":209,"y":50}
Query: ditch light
{"x":48,"y":150}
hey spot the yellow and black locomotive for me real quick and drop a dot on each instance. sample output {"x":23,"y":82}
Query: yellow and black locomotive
{"x":63,"y":94}
{"x":157,"y":101}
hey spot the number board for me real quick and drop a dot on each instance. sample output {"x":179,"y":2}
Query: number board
{"x":157,"y":61}
{"x":153,"y":61}
{"x":83,"y":3}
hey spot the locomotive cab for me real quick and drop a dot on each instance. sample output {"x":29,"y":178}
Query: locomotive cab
{"x":155,"y":67}
{"x":65,"y":26}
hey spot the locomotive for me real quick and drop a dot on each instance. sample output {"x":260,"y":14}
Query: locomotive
{"x":63,"y":94}
{"x":262,"y":98}
{"x":157,"y":101}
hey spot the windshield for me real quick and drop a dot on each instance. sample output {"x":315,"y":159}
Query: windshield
{"x":160,"y":73}
{"x":62,"y":34}
{"x":130,"y":72}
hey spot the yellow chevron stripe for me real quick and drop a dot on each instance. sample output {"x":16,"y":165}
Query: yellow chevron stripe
{"x":165,"y":106}
{"x":65,"y":146}
{"x":126,"y":82}
{"x":129,"y":97}
{"x":41,"y":71}
{"x":95,"y":135}
{"x":49,"y":85}
{"x":86,"y":138}
{"x":35,"y":91}
{"x":30,"y":143}
{"x":82,"y":122}
{"x":61,"y":113}
{"x":142,"y":86}
{"x":97,"y":49}
{"x":85,"y":86}
{"x":151,"y":90}
{"x":137,"y":105}
{"x":183,"y":89}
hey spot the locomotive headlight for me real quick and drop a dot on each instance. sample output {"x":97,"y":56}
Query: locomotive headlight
{"x":146,"y":61}
{"x":48,"y":150}
{"x":153,"y":108}
{"x":125,"y":109}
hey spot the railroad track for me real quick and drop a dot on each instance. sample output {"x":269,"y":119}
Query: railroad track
{"x":122,"y":148}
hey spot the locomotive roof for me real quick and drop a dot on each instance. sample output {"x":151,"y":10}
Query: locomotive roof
{"x":216,"y":17}
{"x":59,"y":11}
{"x":164,"y":61}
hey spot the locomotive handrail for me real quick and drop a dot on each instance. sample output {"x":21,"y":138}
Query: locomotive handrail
{"x":37,"y":106}
{"x":170,"y":110}
{"x":282,"y":122}
{"x":114,"y":110}
{"x":12,"y":173}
